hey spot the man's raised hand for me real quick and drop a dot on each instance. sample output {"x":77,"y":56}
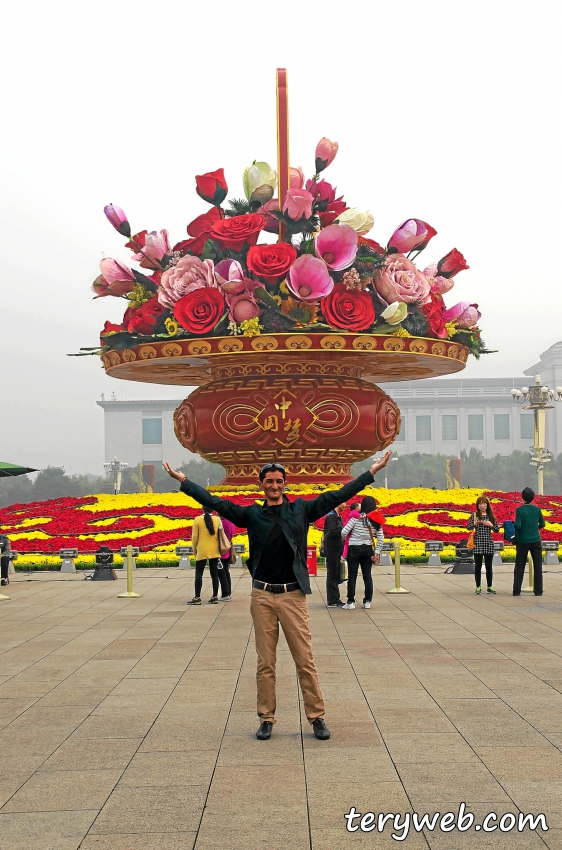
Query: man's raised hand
{"x":179,"y":476}
{"x":380,"y":463}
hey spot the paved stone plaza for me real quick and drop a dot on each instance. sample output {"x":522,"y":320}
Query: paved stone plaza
{"x":129,"y":724}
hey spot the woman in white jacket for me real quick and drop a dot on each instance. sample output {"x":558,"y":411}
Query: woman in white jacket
{"x":360,"y":552}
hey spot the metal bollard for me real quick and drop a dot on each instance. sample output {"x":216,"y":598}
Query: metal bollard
{"x":129,"y":594}
{"x":385,"y":561}
{"x":68,"y":556}
{"x":498,"y":549}
{"x":184,"y":552}
{"x":531,"y":586}
{"x":433,"y":548}
{"x":397,"y":586}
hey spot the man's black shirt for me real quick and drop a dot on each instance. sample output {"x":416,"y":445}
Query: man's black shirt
{"x":276,"y":562}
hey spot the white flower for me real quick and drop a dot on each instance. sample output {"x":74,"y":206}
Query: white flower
{"x":395,"y":313}
{"x":359,"y":220}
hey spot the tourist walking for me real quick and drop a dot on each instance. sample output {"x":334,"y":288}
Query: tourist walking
{"x":277,"y":534}
{"x":224,"y":564}
{"x":333,"y":549}
{"x":362,"y":551}
{"x":5,"y":559}
{"x":205,"y":540}
{"x":528,"y":523}
{"x":483,"y":522}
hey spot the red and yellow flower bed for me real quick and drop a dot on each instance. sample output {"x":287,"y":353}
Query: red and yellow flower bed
{"x":158,"y":522}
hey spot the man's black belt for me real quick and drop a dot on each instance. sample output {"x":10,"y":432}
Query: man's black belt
{"x":276,"y":588}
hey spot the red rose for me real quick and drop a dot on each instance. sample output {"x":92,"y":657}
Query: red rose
{"x":235,"y":232}
{"x":200,"y":230}
{"x":137,"y":241}
{"x":109,"y":328}
{"x":451,"y":264}
{"x":212,"y":187}
{"x":433,"y":312}
{"x":143,"y":319}
{"x":272,"y":262}
{"x":371,"y":244}
{"x":334,"y":210}
{"x":348,"y":309}
{"x":200,"y":310}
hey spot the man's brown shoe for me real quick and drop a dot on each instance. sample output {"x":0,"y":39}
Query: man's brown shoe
{"x":265,"y":730}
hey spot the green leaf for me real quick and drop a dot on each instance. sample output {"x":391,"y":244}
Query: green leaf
{"x":146,"y":282}
{"x":262,"y":293}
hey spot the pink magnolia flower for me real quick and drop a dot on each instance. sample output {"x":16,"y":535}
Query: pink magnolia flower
{"x":465,"y":315}
{"x":337,"y":246}
{"x":309,"y":279}
{"x":412,"y":234}
{"x":118,"y":219}
{"x":400,"y":280}
{"x":230,"y":276}
{"x":115,"y":279}
{"x":156,"y":246}
{"x":189,"y":274}
{"x":243,"y":307}
{"x":325,"y":153}
{"x":271,"y":223}
{"x":296,"y":178}
{"x":298,"y":203}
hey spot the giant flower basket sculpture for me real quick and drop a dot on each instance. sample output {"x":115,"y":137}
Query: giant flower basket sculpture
{"x":285,"y":334}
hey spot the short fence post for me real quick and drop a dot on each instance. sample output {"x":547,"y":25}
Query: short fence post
{"x":397,"y":586}
{"x":129,"y":594}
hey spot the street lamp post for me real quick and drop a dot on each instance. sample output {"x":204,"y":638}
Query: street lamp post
{"x":538,"y":400}
{"x":116,"y":467}
{"x":374,"y":459}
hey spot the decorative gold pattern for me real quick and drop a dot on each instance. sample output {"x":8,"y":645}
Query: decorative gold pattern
{"x":364,"y":343}
{"x":373,"y":358}
{"x":264,"y":343}
{"x":199,"y":347}
{"x":300,"y":341}
{"x":231,"y":344}
{"x":147,"y":352}
{"x":334,"y":341}
{"x":171,"y":349}
{"x":394,"y":343}
{"x":418,"y":345}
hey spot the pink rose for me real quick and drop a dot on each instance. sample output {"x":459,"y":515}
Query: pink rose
{"x":115,"y":279}
{"x":190,"y":273}
{"x":243,"y":307}
{"x":400,"y":280}
{"x":298,"y":203}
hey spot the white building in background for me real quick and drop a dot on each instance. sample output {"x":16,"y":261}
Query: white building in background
{"x":142,"y":432}
{"x":439,"y":415}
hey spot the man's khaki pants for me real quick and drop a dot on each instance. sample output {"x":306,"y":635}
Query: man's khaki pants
{"x":291,"y":610}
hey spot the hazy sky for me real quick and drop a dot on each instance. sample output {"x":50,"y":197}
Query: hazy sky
{"x":448,"y":112}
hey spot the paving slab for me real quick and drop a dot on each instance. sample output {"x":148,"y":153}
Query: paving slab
{"x":130,"y":724}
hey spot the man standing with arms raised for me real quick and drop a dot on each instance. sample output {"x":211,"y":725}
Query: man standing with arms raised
{"x":277,"y":534}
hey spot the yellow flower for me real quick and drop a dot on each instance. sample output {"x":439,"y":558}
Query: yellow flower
{"x":138,"y":295}
{"x":172,"y":326}
{"x":451,"y":328}
{"x":401,"y":332}
{"x":283,"y":288}
{"x":251,"y":327}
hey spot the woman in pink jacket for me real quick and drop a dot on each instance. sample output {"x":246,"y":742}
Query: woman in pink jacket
{"x":354,"y":512}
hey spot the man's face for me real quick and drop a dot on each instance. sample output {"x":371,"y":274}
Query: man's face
{"x":273,"y":485}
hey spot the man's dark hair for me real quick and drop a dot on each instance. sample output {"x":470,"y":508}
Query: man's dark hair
{"x":527,"y":495}
{"x":273,"y":467}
